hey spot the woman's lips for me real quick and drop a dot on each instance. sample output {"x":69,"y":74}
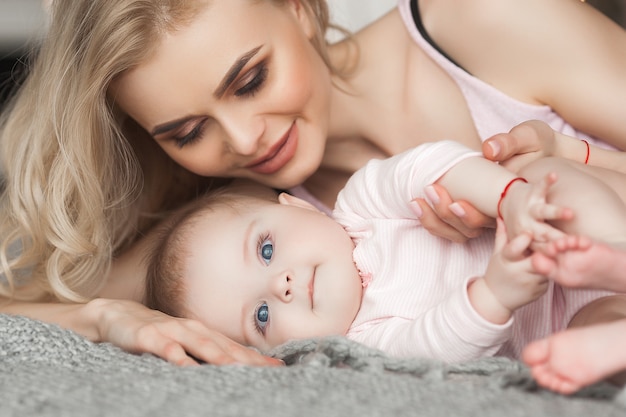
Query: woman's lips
{"x":278,"y":155}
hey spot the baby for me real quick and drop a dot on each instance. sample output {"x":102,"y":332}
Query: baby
{"x":264,"y":270}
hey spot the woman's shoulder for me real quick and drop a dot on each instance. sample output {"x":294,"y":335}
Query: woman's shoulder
{"x":465,"y":28}
{"x":514,"y":45}
{"x":455,"y":25}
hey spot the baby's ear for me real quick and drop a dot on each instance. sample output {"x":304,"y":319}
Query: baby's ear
{"x":289,"y":200}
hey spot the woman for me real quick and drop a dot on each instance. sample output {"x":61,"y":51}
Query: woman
{"x":236,"y":88}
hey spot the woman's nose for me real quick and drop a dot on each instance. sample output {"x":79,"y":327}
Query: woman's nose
{"x":243,"y":134}
{"x":281,"y":285}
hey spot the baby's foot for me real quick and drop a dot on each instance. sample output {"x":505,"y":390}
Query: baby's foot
{"x":579,"y":262}
{"x":572,"y":359}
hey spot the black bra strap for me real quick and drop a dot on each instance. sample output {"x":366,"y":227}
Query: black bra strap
{"x":417,"y":18}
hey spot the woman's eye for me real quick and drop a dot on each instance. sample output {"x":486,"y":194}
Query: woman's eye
{"x":192,"y":136}
{"x":266,"y":251}
{"x":261,"y":318}
{"x":253,"y":81}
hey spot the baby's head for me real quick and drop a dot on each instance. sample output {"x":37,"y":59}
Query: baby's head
{"x":260,"y":269}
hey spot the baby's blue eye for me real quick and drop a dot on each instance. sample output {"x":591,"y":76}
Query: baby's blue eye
{"x":266,"y":251}
{"x":261,"y":318}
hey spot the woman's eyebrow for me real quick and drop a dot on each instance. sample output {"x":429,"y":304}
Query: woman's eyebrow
{"x":166,"y":127}
{"x":234,"y":71}
{"x":230,"y":76}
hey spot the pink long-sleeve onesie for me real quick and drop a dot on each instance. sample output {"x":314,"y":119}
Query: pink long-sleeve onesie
{"x":416,"y":302}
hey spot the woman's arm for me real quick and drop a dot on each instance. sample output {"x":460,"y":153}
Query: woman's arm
{"x":118,"y":317}
{"x":534,"y":139}
{"x":526,"y":142}
{"x":561,"y":53}
{"x":137,"y":329}
{"x":76,"y":317}
{"x":126,"y":279}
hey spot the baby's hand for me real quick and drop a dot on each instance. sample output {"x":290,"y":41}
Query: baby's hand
{"x":509,"y":282}
{"x":525,"y":209}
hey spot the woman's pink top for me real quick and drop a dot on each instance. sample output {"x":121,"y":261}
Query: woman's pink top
{"x":492,"y":111}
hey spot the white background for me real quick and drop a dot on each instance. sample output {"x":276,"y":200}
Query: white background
{"x":354,"y":14}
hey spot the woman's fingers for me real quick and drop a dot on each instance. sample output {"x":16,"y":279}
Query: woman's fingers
{"x":137,"y":329}
{"x":455,"y":221}
{"x":435,"y":226}
{"x":213,"y":347}
{"x":206,"y":345}
{"x":473,"y":221}
{"x":529,"y":136}
{"x":525,"y":143}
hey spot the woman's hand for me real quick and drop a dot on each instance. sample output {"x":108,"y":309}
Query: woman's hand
{"x":456,"y":221}
{"x":138,"y":329}
{"x":459,"y":221}
{"x":525,"y":143}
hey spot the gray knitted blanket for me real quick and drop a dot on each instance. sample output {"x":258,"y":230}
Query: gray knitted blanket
{"x":48,"y":371}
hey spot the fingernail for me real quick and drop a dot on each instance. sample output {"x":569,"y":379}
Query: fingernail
{"x":417,"y":210}
{"x":432,"y":194}
{"x":495,"y":147}
{"x":457,"y":209}
{"x":276,"y":362}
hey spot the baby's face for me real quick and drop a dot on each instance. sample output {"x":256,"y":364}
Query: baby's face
{"x":272,"y":273}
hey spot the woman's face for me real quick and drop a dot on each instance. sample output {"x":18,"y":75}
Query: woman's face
{"x":240,"y":92}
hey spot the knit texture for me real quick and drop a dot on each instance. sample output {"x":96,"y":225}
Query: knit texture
{"x":48,"y":371}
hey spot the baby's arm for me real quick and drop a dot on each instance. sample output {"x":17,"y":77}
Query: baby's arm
{"x":384,"y":188}
{"x":509,"y":282}
{"x":473,"y":320}
{"x":494,"y":190}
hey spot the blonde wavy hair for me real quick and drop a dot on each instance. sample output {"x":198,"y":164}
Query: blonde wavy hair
{"x":81,"y":180}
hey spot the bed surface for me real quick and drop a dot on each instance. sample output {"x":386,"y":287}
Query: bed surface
{"x":48,"y":371}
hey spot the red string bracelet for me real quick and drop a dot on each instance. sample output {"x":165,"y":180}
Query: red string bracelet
{"x":506,"y":189}
{"x":588,"y":152}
